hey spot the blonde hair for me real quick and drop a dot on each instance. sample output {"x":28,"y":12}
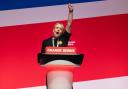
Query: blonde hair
{"x":60,"y":24}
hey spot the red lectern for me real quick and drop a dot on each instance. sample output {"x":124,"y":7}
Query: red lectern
{"x":60,"y":62}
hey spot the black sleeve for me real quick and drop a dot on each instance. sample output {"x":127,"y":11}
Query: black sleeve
{"x":43,"y":47}
{"x":67,"y":35}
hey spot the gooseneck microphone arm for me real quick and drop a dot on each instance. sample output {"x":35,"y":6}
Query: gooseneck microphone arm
{"x":53,"y":41}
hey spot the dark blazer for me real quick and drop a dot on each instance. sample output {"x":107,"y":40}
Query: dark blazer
{"x":64,"y":38}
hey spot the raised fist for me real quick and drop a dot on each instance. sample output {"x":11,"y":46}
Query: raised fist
{"x":70,"y":7}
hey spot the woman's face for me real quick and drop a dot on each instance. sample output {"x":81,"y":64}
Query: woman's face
{"x":58,"y":30}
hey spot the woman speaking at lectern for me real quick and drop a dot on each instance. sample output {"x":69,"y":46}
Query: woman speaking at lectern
{"x":60,"y":35}
{"x":60,"y":67}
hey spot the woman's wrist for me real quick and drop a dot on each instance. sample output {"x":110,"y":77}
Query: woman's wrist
{"x":71,"y":11}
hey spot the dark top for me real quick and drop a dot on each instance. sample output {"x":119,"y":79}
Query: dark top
{"x":64,"y":38}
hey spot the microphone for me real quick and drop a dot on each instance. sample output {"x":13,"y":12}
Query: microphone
{"x":53,"y":41}
{"x":57,"y":43}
